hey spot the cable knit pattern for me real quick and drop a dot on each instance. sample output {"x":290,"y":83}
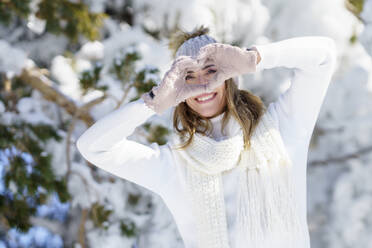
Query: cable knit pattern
{"x":266,"y":206}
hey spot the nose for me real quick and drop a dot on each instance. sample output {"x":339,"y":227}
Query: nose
{"x":202,"y":79}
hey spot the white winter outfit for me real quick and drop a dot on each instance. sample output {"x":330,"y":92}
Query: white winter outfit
{"x":276,"y":218}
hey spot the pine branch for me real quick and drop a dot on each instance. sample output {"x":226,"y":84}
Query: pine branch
{"x":83,"y":219}
{"x":4,"y":224}
{"x":37,"y":80}
{"x":53,"y":226}
{"x":343,"y":158}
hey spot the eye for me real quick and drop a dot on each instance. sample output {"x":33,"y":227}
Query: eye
{"x":211,"y":71}
{"x":189,"y":77}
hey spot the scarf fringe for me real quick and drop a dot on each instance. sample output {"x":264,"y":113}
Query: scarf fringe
{"x":212,"y":227}
{"x":271,"y":211}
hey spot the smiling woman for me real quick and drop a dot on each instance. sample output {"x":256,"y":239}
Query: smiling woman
{"x":239,"y":177}
{"x":206,"y":104}
{"x":195,"y":113}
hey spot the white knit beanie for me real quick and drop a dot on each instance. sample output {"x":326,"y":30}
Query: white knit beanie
{"x":192,"y":46}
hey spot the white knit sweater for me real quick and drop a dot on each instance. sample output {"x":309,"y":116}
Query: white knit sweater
{"x":105,"y":144}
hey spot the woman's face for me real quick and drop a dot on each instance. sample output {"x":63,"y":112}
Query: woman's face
{"x":208,"y":104}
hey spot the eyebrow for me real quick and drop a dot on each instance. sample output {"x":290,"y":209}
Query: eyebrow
{"x":205,"y":67}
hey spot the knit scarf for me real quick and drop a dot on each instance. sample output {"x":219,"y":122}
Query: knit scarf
{"x":266,"y":209}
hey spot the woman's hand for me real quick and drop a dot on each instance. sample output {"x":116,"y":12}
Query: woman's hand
{"x":173,"y":88}
{"x":231,"y":61}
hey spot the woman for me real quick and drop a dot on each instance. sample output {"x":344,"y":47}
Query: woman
{"x":233,"y":173}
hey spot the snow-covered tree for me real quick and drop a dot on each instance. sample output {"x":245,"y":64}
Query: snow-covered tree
{"x":66,"y":63}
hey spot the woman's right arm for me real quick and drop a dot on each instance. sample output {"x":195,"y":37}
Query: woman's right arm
{"x":105,"y":145}
{"x":313,"y":60}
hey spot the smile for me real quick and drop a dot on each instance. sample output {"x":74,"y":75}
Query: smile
{"x":206,"y":98}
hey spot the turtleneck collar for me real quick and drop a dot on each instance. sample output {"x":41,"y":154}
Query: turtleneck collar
{"x":232,"y":127}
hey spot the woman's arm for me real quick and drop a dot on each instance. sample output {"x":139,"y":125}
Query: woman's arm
{"x":313,"y":59}
{"x":105,"y":145}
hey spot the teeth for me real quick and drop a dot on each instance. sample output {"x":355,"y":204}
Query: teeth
{"x":205,"y":98}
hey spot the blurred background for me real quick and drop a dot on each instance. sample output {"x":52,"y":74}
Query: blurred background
{"x":66,"y":63}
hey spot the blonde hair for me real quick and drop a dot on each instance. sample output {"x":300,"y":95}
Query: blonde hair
{"x":242,"y":105}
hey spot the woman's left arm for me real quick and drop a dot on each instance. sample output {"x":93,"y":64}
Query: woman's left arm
{"x":313,"y":59}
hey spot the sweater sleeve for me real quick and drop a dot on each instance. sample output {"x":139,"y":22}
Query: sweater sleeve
{"x":313,"y":60}
{"x":105,"y":145}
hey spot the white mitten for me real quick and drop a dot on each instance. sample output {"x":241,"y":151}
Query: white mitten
{"x":173,"y":88}
{"x":231,"y":61}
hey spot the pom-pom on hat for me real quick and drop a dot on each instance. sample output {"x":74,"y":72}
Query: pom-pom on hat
{"x":187,"y":43}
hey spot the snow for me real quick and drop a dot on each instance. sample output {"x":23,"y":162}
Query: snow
{"x":35,"y":24}
{"x":2,"y":107}
{"x":353,"y":191}
{"x":92,"y":51}
{"x":153,"y":52}
{"x":110,"y":238}
{"x":12,"y":60}
{"x":31,"y":111}
{"x":84,"y":189}
{"x":44,"y":48}
{"x":37,"y":236}
{"x":366,"y":14}
{"x":339,"y":193}
{"x":63,"y":71}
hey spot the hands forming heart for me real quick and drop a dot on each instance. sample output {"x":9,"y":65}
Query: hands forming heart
{"x":230,"y":61}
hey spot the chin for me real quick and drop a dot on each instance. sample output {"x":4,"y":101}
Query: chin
{"x":208,"y":114}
